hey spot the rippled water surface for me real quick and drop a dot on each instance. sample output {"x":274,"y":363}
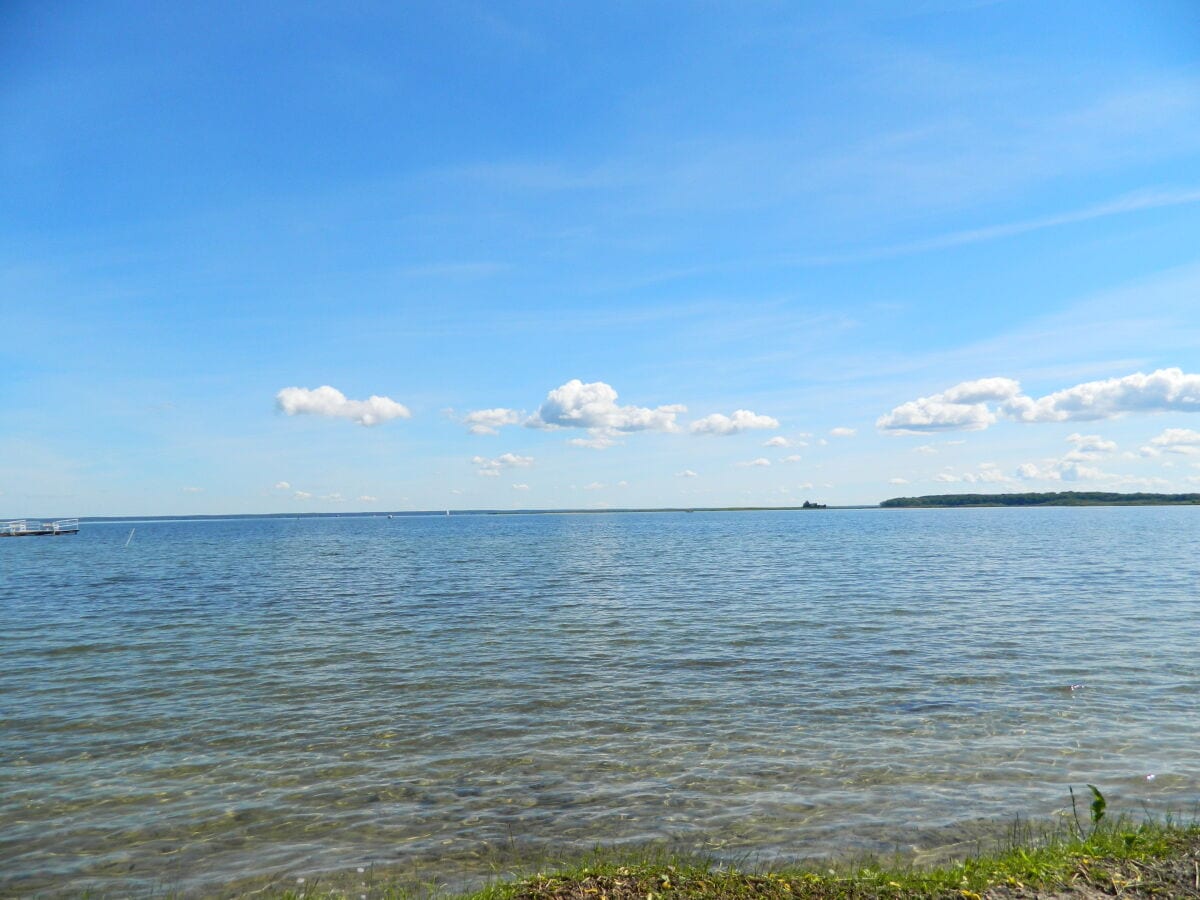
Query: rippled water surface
{"x":227,"y":698}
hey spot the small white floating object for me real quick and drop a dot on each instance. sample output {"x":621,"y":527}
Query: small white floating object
{"x":1150,"y":777}
{"x":1078,"y":687}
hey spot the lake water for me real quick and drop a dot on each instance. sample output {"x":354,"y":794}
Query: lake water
{"x":229,"y":698}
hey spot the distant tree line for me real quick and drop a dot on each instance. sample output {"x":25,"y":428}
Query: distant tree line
{"x":1036,"y":498}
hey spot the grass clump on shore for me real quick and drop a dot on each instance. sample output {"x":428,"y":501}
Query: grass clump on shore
{"x":1113,"y":858}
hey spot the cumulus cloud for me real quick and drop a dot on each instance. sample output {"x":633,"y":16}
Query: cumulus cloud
{"x":963,"y":407}
{"x":793,"y":458}
{"x":1164,"y":390}
{"x":843,"y":432}
{"x":520,"y":487}
{"x":490,"y":421}
{"x":598,"y":441}
{"x":1063,"y":470}
{"x":367,"y":498}
{"x":1184,"y":441}
{"x":335,"y":497}
{"x":686,"y":473}
{"x":966,"y":406}
{"x":332,"y":403}
{"x":761,"y":461}
{"x":594,"y":486}
{"x":986,"y":473}
{"x":302,"y":495}
{"x":282,"y":486}
{"x":1073,"y":465}
{"x":777,"y":441}
{"x":897,"y":481}
{"x":1091,"y":444}
{"x":493,"y":467}
{"x":741,"y":420}
{"x":594,"y":406}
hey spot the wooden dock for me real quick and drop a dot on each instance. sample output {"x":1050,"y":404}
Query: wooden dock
{"x":33,"y":528}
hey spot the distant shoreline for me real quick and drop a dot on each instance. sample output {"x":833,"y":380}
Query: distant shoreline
{"x":929,"y":501}
{"x":1033,"y":498}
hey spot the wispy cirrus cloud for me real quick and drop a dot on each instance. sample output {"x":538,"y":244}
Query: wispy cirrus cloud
{"x":1137,"y":201}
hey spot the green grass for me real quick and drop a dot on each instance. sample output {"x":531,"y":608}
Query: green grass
{"x":1110,"y":857}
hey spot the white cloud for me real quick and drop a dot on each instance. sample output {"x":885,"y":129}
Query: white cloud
{"x":622,"y":484}
{"x":925,"y":448}
{"x":1164,"y":390}
{"x":686,"y":473}
{"x":777,"y":441}
{"x":1091,"y":444}
{"x":282,"y":486}
{"x":1063,"y":470}
{"x":761,"y":461}
{"x":793,"y":458}
{"x":804,"y":486}
{"x":598,"y":441}
{"x":1086,"y":448}
{"x":490,"y":421}
{"x":330,"y":402}
{"x":741,"y":420}
{"x":843,"y":432}
{"x":594,"y":406}
{"x":493,"y":467}
{"x":367,"y":498}
{"x":335,"y":497}
{"x":965,"y":407}
{"x":520,"y":487}
{"x":1184,"y":441}
{"x":594,"y":486}
{"x":302,"y":495}
{"x":193,"y":490}
{"x":962,"y":407}
{"x":986,"y":473}
{"x":897,"y":481}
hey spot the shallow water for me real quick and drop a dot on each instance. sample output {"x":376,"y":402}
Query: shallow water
{"x":227,"y":698}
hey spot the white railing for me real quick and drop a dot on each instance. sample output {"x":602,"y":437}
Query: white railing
{"x":25,"y":526}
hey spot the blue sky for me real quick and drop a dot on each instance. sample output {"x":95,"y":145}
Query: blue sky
{"x":825,"y":218}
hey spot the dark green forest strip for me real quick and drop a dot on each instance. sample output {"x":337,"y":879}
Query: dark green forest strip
{"x":1060,"y":498}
